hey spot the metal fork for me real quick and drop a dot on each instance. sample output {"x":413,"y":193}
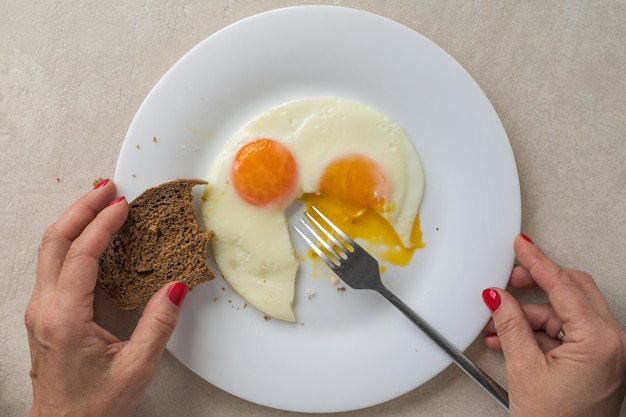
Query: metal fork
{"x":360,"y":270}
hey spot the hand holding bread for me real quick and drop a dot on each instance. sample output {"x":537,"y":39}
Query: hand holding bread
{"x":159,"y":242}
{"x":79,"y":368}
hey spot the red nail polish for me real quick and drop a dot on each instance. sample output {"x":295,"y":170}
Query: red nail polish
{"x":117,"y":200}
{"x":491,"y":299}
{"x":526,"y":238}
{"x":101,"y":184}
{"x":177,"y":293}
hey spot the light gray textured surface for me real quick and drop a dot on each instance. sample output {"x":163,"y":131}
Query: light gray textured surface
{"x":72,"y":75}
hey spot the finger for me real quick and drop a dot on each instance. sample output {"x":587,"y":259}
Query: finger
{"x":541,"y":317}
{"x":137,"y":359}
{"x":58,"y":237}
{"x":545,"y":342}
{"x":80,"y":269}
{"x":565,"y":294}
{"x":515,"y":334}
{"x":521,"y":278}
{"x":492,"y":341}
{"x":593,"y":294}
{"x":155,"y":327}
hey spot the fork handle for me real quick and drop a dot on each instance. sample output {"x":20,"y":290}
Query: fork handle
{"x":469,"y":367}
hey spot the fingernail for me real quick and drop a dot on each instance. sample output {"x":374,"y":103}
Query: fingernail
{"x":101,"y":184}
{"x":491,"y":299}
{"x":526,"y":238}
{"x":177,"y":293}
{"x":117,"y":200}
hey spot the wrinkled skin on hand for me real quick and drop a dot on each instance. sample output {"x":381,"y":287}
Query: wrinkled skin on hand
{"x":79,"y":368}
{"x":584,"y":375}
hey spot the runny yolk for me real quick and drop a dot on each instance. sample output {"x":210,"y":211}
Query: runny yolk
{"x":377,"y":236}
{"x":352,"y":195}
{"x":265,"y":173}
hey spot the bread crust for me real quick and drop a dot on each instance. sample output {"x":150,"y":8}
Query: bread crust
{"x":160,"y":242}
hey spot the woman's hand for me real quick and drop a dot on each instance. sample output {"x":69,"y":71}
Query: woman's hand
{"x":78,"y":368}
{"x":584,"y":375}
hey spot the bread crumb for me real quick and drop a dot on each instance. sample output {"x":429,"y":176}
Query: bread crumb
{"x":341,"y":289}
{"x":94,"y":182}
{"x":138,"y":146}
{"x":154,"y":139}
{"x":266,"y":317}
{"x":58,"y":179}
{"x":310,"y":292}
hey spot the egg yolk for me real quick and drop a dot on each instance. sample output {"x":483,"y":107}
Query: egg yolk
{"x":352,"y":194}
{"x":357,"y":180}
{"x":265,"y":173}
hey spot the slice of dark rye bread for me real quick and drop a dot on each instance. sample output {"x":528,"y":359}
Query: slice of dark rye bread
{"x":160,"y":242}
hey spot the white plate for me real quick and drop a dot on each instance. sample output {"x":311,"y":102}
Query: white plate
{"x":349,"y":349}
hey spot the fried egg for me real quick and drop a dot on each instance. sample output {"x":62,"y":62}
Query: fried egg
{"x":350,"y":160}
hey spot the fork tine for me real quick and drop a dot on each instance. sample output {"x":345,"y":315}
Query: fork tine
{"x":332,"y":263}
{"x":326,"y":246}
{"x":337,"y":230}
{"x":336,"y":243}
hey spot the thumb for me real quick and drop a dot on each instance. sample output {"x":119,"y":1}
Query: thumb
{"x":157,"y":323}
{"x":515,"y":334}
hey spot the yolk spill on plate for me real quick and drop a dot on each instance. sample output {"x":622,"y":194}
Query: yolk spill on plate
{"x":376,"y":234}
